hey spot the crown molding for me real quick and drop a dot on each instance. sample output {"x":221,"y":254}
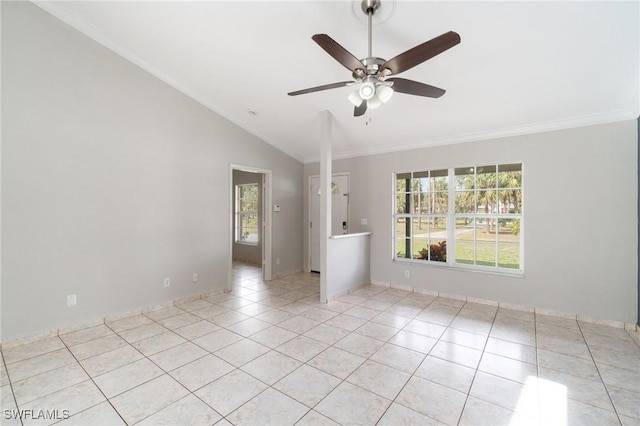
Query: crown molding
{"x":527,"y":129}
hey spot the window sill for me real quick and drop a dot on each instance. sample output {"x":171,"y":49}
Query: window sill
{"x":516,"y":273}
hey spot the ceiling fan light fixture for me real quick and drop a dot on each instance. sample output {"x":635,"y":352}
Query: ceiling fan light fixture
{"x":355,"y":98}
{"x":384,"y":93}
{"x":374,"y":102}
{"x":367,"y":90}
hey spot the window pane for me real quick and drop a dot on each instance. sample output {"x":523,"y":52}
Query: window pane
{"x":465,"y":236}
{"x":420,"y":250}
{"x":437,"y":228}
{"x":509,"y":256}
{"x":401,"y":182}
{"x":509,"y":230}
{"x":420,"y":227}
{"x":401,"y":248}
{"x":464,"y":252}
{"x":465,"y":178}
{"x":249,"y":227}
{"x":509,"y":244}
{"x":486,"y":177}
{"x":439,"y":180}
{"x":510,"y":201}
{"x":402,"y":206}
{"x":249,"y":197}
{"x":439,"y":202}
{"x":486,"y":253}
{"x":510,"y":176}
{"x":486,"y":229}
{"x":486,"y":202}
{"x":465,"y":202}
{"x":438,"y":251}
{"x":420,"y":203}
{"x":403,"y":229}
{"x":420,"y":182}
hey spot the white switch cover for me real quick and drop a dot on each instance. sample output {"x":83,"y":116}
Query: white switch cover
{"x":363,"y":221}
{"x":72,"y":300}
{"x":277,"y":208}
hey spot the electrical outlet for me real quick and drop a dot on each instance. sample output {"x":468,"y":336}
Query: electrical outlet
{"x":195,"y":278}
{"x":363,"y":221}
{"x":277,"y":260}
{"x":406,"y":273}
{"x":72,"y":300}
{"x":167,"y":282}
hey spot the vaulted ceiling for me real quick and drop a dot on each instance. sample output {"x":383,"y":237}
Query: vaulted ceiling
{"x":521,"y":67}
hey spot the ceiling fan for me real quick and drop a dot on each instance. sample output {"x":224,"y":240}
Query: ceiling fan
{"x":372,"y":74}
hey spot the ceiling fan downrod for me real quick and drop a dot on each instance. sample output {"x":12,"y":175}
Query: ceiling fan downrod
{"x":369,"y":8}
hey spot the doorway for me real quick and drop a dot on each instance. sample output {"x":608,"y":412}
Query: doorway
{"x":339,"y":213}
{"x":250,"y":219}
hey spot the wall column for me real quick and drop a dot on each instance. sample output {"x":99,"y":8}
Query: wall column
{"x":325,"y":199}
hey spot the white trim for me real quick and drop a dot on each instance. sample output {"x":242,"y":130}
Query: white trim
{"x":96,"y":34}
{"x":267,"y":217}
{"x":357,"y":234}
{"x":101,"y":320}
{"x":526,"y":129}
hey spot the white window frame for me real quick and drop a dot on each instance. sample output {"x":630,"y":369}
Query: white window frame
{"x":451,"y":225}
{"x":239,"y":239}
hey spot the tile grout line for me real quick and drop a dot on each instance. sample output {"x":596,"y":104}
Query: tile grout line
{"x":606,"y":388}
{"x":416,"y":369}
{"x":475,"y":373}
{"x":13,"y":395}
{"x":92,"y":381}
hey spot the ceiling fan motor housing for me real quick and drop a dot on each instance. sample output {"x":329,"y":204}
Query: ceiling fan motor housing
{"x":372,"y":66}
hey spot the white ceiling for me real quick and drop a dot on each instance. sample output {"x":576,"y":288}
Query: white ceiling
{"x":521,"y":67}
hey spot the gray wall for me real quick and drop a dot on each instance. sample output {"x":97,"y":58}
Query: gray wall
{"x":580,"y":219}
{"x":112,"y":181}
{"x":247,"y":252}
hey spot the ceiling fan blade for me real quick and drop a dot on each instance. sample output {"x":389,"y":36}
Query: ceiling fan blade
{"x":319,"y":88}
{"x":338,"y":52}
{"x":360,"y":110}
{"x":421,"y":53}
{"x":410,"y":87}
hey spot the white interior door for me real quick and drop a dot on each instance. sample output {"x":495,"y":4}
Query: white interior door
{"x":339,"y":214}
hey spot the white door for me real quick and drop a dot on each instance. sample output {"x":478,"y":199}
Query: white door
{"x":339,"y":216}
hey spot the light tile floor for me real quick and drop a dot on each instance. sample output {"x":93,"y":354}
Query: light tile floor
{"x":270,"y":353}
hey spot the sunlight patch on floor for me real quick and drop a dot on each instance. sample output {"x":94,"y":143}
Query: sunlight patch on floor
{"x":541,"y":402}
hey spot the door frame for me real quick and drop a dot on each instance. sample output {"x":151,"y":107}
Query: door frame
{"x":266,"y":219}
{"x":309,"y":209}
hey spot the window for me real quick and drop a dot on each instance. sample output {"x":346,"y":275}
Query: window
{"x":466,"y":217}
{"x":421,"y":215}
{"x":247,"y":213}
